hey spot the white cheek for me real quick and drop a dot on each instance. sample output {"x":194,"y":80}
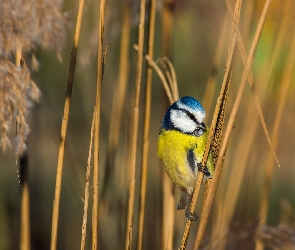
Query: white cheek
{"x":181,"y":121}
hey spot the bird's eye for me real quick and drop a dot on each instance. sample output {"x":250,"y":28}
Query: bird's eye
{"x":198,"y":131}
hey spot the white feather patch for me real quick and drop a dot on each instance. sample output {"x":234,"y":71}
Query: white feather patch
{"x":198,"y":114}
{"x":182,"y":121}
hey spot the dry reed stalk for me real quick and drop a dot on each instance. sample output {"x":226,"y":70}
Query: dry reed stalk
{"x":167,"y":24}
{"x":25,"y":203}
{"x":64,"y":125}
{"x":169,"y":82}
{"x":168,"y":196}
{"x":146,"y":129}
{"x":162,"y":76}
{"x":168,"y":187}
{"x":118,"y":100}
{"x":100,"y":66}
{"x":25,"y":243}
{"x":168,"y":232}
{"x":216,"y":125}
{"x":134,"y":127}
{"x":171,"y":77}
{"x":286,"y":81}
{"x":87,"y":184}
{"x":211,"y":82}
{"x":251,"y":83}
{"x":221,"y":156}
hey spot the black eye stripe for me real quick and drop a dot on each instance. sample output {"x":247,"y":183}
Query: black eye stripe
{"x":190,"y":115}
{"x":200,"y":126}
{"x":169,"y":124}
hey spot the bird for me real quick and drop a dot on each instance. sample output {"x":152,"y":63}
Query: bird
{"x":181,"y":143}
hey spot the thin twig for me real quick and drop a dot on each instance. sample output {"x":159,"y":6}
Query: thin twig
{"x":163,"y":79}
{"x":100,"y":67}
{"x":25,"y":203}
{"x":24,"y":184}
{"x":129,"y":231}
{"x":160,"y":74}
{"x":86,"y":197}
{"x":211,"y":82}
{"x":174,"y":85}
{"x":171,"y":77}
{"x":146,"y":129}
{"x":168,"y":216}
{"x":64,"y":125}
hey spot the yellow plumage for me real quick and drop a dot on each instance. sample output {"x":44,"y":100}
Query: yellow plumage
{"x":175,"y":148}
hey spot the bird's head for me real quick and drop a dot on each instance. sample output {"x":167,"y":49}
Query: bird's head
{"x":185,"y":115}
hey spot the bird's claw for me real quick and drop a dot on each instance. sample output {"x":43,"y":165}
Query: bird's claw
{"x":202,"y":169}
{"x":191,"y":216}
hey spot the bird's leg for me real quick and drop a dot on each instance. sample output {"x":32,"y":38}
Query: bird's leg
{"x":204,"y":169}
{"x":182,"y":203}
{"x":188,"y":214}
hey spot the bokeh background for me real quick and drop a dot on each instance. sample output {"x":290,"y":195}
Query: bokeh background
{"x":197,"y":28}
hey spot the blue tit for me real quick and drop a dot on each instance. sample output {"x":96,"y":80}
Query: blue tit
{"x":181,"y":144}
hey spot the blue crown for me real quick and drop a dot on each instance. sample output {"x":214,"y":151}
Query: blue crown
{"x":191,"y":103}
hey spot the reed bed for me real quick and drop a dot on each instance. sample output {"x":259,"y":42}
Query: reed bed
{"x":129,"y":61}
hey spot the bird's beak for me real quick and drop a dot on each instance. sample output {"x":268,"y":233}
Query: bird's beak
{"x":202,"y":126}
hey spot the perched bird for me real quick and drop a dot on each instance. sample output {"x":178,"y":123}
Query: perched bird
{"x":181,"y":144}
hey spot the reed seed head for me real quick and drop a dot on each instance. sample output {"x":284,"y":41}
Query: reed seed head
{"x":17,"y":93}
{"x":27,"y":24}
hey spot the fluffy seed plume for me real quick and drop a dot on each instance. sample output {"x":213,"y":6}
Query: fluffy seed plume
{"x":31,"y":23}
{"x":17,"y":92}
{"x":24,"y":26}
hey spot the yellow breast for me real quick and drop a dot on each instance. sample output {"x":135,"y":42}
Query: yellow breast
{"x":173,"y":148}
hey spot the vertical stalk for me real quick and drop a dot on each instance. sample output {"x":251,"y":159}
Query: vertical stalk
{"x":25,"y":203}
{"x":25,"y":243}
{"x":146,"y":141}
{"x":168,"y":194}
{"x":134,"y":127}
{"x":87,"y":184}
{"x":211,"y":82}
{"x":100,"y":64}
{"x":63,"y":133}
